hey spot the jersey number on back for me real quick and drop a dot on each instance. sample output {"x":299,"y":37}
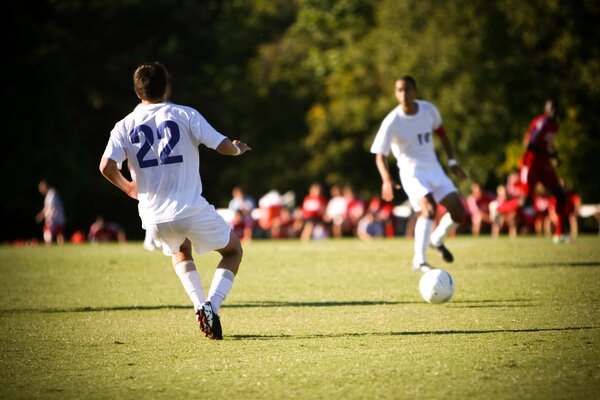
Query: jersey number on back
{"x":164,"y":157}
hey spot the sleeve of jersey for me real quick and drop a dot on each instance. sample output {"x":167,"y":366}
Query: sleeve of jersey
{"x":381,"y":144}
{"x":204,"y":132}
{"x":438,"y":128}
{"x":115,"y":149}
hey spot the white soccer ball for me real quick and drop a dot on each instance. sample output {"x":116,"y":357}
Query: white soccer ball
{"x":436,"y":286}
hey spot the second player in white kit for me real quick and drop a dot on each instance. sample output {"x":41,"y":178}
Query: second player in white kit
{"x":407,"y":131}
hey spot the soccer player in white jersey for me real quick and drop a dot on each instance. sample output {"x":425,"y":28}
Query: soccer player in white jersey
{"x":408,"y":132}
{"x":160,"y":141}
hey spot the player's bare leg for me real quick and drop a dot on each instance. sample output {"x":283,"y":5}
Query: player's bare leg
{"x":562,"y":214}
{"x":449,"y":222}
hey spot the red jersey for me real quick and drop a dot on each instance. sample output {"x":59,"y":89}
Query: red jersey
{"x":314,"y":206}
{"x":540,"y":140}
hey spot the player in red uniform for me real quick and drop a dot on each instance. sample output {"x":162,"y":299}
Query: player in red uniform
{"x":537,"y":165}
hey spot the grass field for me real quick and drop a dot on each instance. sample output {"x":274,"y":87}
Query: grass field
{"x":323,"y":320}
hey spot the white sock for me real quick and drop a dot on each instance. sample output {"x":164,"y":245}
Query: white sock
{"x":422,"y":232}
{"x":220,"y":287}
{"x":190,"y":279}
{"x":445,"y":226}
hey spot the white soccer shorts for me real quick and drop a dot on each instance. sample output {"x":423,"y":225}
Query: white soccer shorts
{"x":423,"y":181}
{"x":207,"y":231}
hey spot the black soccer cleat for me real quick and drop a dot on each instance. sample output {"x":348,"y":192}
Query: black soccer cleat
{"x":210,"y":323}
{"x":445,"y":253}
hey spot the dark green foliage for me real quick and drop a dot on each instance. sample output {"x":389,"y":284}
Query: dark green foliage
{"x":306,"y":83}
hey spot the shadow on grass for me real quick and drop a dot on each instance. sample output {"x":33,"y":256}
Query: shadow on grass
{"x":551,"y":264}
{"x":93,"y":309}
{"x":407,"y":333}
{"x":258,"y":304}
{"x":491,"y":303}
{"x":269,"y":304}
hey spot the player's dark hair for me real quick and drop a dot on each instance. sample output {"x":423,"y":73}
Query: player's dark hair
{"x":409,"y":80}
{"x":150,"y":80}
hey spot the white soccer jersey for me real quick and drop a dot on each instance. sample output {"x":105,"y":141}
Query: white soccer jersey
{"x":54,"y":212}
{"x":160,"y":142}
{"x":409,"y":137}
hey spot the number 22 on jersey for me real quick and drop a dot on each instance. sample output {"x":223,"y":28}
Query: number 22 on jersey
{"x":162,"y":134}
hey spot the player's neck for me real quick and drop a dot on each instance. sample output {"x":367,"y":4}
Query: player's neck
{"x":153,"y":101}
{"x":410,"y":107}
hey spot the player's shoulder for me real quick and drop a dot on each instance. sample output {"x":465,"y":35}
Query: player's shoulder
{"x":187,"y":112}
{"x":393,"y":114}
{"x":543,"y":121}
{"x":125,"y":123}
{"x":427,"y":106}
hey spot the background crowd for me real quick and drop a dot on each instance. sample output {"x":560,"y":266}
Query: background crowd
{"x":341,"y":212}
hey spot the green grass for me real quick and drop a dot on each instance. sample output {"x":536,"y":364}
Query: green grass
{"x":322,"y":320}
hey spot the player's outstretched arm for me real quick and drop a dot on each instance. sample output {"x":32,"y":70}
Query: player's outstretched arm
{"x":110,"y":170}
{"x":232,"y":148}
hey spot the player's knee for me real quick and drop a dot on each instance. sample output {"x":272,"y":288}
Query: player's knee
{"x":234,"y":250}
{"x":428,"y":208}
{"x":239,"y":251}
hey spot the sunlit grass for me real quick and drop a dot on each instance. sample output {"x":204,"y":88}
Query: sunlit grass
{"x":328,"y":319}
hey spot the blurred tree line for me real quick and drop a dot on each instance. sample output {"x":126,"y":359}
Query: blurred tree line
{"x":305,"y":82}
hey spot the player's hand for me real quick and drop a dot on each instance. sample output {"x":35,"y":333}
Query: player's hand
{"x":242,"y":146}
{"x":387,"y":190}
{"x":459,"y":172}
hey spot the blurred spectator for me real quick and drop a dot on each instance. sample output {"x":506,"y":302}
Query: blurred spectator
{"x":313,"y":210}
{"x":241,"y":201}
{"x":298,"y":220}
{"x":270,"y":206}
{"x":370,"y":226}
{"x":53,"y":214}
{"x":102,"y":231}
{"x":513,"y":185}
{"x":478,"y":207}
{"x":356,"y":208}
{"x":573,"y":207}
{"x":384,"y":212}
{"x":242,"y":225}
{"x":283,"y":226}
{"x":502,"y":221}
{"x":336,"y":211}
{"x":541,"y":204}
